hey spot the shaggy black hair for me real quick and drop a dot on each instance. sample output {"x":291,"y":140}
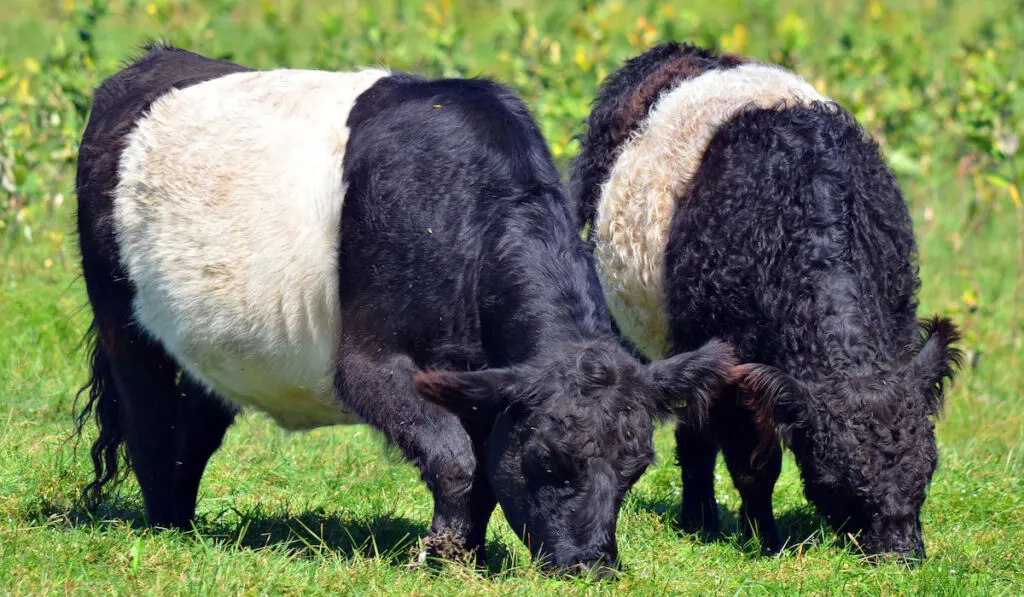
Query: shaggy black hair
{"x":793,"y":242}
{"x":622,"y":103}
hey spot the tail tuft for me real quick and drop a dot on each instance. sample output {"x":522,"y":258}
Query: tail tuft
{"x":107,"y":452}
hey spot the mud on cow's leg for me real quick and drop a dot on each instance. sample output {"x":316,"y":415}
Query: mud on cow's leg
{"x":379,"y":390}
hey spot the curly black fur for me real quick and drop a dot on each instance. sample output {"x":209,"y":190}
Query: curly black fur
{"x":947,"y":358}
{"x":794,"y":243}
{"x":624,"y":100}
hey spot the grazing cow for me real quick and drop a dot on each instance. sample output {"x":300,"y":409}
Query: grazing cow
{"x":362,"y":247}
{"x":728,"y":198}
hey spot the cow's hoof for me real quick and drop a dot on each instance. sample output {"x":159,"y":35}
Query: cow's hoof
{"x":701,"y":519}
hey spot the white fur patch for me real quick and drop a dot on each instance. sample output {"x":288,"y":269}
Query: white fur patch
{"x":653,"y":169}
{"x":228,"y":212}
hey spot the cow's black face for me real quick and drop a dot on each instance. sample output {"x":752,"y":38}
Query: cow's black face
{"x":866,"y":445}
{"x":868,"y":472}
{"x":561,"y":468}
{"x":572,"y":434}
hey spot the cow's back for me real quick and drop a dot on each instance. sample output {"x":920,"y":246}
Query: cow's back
{"x":439,"y":174}
{"x":651,"y":179}
{"x":118,"y":103}
{"x":226,"y":217}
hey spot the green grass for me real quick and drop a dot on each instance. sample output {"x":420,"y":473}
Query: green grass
{"x":335,"y":510}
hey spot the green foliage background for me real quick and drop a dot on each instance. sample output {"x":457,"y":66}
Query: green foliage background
{"x":936,"y":81}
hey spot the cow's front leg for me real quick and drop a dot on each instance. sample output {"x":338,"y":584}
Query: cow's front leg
{"x":379,"y":390}
{"x":481,"y":498}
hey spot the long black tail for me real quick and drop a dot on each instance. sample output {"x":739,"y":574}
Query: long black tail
{"x":107,"y":452}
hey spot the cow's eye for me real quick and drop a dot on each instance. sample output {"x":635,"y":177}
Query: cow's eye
{"x":539,"y":461}
{"x":545,"y":461}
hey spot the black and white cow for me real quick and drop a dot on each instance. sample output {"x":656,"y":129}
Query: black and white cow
{"x":729,"y":198}
{"x":332,"y":248}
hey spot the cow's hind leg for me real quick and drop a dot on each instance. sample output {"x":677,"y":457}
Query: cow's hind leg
{"x":203,"y":420}
{"x":379,"y":389}
{"x":133,"y":394}
{"x":147,"y":397}
{"x":169,"y":432}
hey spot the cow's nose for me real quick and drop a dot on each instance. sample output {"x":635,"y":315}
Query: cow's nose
{"x":602,"y":568}
{"x":595,"y":570}
{"x":910,"y":556}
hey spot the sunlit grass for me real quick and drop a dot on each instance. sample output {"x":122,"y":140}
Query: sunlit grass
{"x":335,"y":510}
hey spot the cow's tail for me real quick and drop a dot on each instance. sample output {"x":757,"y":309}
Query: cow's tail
{"x":109,"y":458}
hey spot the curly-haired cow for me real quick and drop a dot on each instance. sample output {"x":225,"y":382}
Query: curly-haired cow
{"x":728,"y":198}
{"x":334,"y":248}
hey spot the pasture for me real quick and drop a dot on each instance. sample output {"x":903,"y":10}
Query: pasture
{"x":337,"y":511}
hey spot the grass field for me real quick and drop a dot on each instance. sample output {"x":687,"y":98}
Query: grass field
{"x":335,"y":510}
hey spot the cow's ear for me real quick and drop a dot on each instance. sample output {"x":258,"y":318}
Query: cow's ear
{"x":687,"y":384}
{"x":467,"y":395}
{"x":777,"y":399}
{"x":937,"y":360}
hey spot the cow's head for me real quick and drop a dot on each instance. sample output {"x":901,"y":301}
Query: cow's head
{"x":573,"y":431}
{"x":865,"y":445}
